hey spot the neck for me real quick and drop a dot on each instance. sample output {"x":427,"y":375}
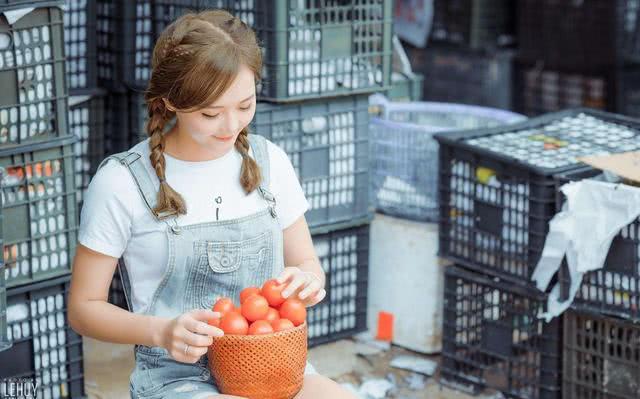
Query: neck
{"x":181,"y":146}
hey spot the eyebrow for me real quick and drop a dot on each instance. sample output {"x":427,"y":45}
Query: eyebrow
{"x":218,"y":106}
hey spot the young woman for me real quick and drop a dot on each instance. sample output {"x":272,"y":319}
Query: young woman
{"x":199,"y":210}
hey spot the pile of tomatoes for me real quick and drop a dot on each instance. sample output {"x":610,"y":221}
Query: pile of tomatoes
{"x":261,"y":311}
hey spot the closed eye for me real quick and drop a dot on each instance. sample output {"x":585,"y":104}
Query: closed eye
{"x":210,"y":116}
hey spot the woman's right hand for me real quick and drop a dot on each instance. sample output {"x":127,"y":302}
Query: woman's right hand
{"x":190,"y":329}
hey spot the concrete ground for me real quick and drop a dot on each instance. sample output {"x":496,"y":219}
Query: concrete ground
{"x":107,"y":369}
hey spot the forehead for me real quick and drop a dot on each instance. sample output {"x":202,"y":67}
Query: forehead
{"x":242,"y":87}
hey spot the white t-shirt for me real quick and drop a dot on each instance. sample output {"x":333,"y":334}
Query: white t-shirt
{"x":115,"y":220}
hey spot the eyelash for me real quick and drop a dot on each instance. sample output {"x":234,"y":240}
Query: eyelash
{"x":215,"y":116}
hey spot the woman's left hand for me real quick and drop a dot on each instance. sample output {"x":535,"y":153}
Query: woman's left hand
{"x":309,"y":285}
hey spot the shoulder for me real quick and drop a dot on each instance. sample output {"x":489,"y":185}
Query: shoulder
{"x":277,"y":155}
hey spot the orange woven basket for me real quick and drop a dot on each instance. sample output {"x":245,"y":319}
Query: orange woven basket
{"x":267,"y":366}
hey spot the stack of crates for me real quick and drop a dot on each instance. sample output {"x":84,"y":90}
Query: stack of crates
{"x":467,"y":60}
{"x":39,"y":207}
{"x":319,"y":66}
{"x":498,"y":190}
{"x":577,"y":53}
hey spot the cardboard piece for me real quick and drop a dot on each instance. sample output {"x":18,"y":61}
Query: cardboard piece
{"x":626,"y":165}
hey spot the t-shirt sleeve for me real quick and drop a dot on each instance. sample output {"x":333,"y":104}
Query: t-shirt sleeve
{"x":291,"y":202}
{"x":106,"y":216}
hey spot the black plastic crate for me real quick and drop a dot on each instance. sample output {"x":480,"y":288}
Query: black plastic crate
{"x":601,"y":357}
{"x":87,"y":123}
{"x":116,"y":292}
{"x":80,"y":44}
{"x":477,"y":24}
{"x":538,"y":89}
{"x":39,"y":210}
{"x":126,"y":117}
{"x":461,"y":76}
{"x":44,"y":347}
{"x":14,"y":4}
{"x":614,"y":289}
{"x":33,"y":106}
{"x":492,"y":338}
{"x":327,"y":142}
{"x":4,"y":340}
{"x":344,"y":255}
{"x":587,"y":35}
{"x":497,"y":187}
{"x":343,"y":47}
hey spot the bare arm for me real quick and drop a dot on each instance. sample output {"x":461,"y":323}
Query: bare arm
{"x":89,"y":312}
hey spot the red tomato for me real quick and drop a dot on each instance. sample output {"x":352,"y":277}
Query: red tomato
{"x":260,"y":327}
{"x":214,"y":322}
{"x":272,"y":291}
{"x":272,"y":315}
{"x":247,"y":292}
{"x":294,"y":310}
{"x":281,"y":325}
{"x":255,"y":308}
{"x":223,"y":305}
{"x":233,"y":323}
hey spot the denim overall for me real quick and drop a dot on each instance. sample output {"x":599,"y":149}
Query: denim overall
{"x":206,"y":261}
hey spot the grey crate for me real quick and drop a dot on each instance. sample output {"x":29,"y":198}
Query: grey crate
{"x":45,"y":350}
{"x":343,"y":47}
{"x":405,"y":87}
{"x":4,"y":339}
{"x":87,"y":123}
{"x":404,"y":154}
{"x":80,"y":44}
{"x":39,"y":211}
{"x":326,"y":48}
{"x":126,"y":116}
{"x":33,"y":105}
{"x":328,"y":142}
{"x":344,"y":255}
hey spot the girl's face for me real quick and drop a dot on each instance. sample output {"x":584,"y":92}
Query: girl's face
{"x":217,"y":126}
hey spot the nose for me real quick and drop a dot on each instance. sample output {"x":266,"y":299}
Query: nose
{"x":232,"y":124}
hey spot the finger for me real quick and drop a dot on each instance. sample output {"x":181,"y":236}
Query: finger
{"x":196,"y":340}
{"x":310,"y":289}
{"x":298,"y":280}
{"x":286,"y":274}
{"x":314,"y":300}
{"x":203,"y":314}
{"x":200,"y":327}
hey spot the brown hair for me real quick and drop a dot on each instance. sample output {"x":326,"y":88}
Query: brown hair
{"x":195,"y":60}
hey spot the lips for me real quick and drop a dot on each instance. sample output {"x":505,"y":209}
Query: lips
{"x":223,"y":138}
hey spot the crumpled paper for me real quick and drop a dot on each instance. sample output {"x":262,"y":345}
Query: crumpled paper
{"x":593,"y":214}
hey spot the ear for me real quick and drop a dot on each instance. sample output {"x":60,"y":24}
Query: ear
{"x":168,"y":105}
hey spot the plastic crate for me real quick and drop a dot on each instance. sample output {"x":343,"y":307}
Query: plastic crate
{"x":126,"y":115}
{"x":492,"y":338}
{"x":344,"y":255}
{"x":462,"y":76}
{"x":601,"y":357}
{"x":116,"y":292}
{"x":538,"y":89}
{"x":80,"y":44}
{"x":476,"y":24}
{"x":404,"y":155}
{"x":497,"y":187}
{"x":6,"y":5}
{"x":614,"y":289}
{"x":87,"y":123}
{"x":327,"y":142}
{"x":405,"y":87}
{"x":308,"y":52}
{"x":39,"y":210}
{"x":33,"y":106}
{"x":4,"y":340}
{"x":588,"y":35}
{"x":45,"y":348}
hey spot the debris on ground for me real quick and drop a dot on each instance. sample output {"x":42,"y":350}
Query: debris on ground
{"x":368,"y":339}
{"x":415,"y":364}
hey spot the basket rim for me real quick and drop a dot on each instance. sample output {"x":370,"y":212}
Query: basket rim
{"x":259,"y":337}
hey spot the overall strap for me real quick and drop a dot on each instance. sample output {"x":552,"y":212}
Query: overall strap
{"x":261,"y":156}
